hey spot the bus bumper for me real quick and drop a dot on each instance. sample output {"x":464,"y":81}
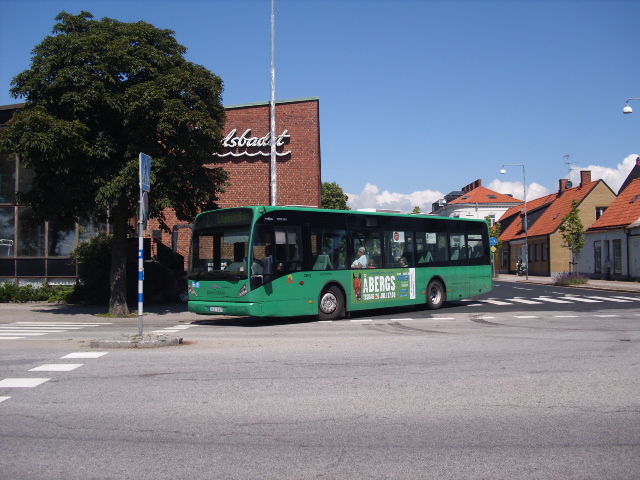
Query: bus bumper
{"x":226,"y":308}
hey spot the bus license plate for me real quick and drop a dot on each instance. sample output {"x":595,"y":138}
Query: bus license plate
{"x":216,"y":309}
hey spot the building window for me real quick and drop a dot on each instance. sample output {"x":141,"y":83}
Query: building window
{"x":617,"y":257}
{"x":597,"y":256}
{"x":30,"y":235}
{"x":505,"y":257}
{"x":600,"y":211}
{"x":7,"y":179}
{"x":537,"y":252}
{"x":544,"y":252}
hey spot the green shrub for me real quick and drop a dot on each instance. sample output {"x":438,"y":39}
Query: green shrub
{"x":568,"y":278}
{"x":94,"y":261}
{"x":11,"y":293}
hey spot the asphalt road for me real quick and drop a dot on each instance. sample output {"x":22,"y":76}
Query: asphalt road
{"x":490,"y":391}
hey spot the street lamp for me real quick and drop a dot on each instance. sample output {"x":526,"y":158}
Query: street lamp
{"x":627,"y":108}
{"x":526,"y":224}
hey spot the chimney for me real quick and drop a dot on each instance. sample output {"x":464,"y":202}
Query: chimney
{"x":563,"y":186}
{"x":585,"y":177}
{"x":638,"y":161}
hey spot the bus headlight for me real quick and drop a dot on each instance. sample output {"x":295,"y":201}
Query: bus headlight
{"x":243,"y":291}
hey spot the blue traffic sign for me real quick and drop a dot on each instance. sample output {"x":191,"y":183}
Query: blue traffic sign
{"x":145,"y":172}
{"x":493,"y":241}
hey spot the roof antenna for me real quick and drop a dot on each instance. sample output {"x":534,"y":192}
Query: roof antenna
{"x":568,"y":164}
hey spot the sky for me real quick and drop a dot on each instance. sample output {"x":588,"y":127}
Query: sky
{"x":418,"y":98}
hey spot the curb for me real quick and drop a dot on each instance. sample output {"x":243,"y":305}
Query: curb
{"x":135,"y":341}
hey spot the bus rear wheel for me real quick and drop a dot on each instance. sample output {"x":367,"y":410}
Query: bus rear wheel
{"x":435,"y":295}
{"x":331,"y":304}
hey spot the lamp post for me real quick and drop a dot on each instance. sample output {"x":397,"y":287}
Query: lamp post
{"x":526,"y":224}
{"x":627,"y":108}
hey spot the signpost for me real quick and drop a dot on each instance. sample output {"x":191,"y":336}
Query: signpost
{"x":493,"y":241}
{"x":145,"y":187}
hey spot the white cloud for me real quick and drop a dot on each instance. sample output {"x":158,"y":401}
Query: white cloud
{"x":534,"y":190}
{"x":372,"y":197}
{"x":614,"y":177}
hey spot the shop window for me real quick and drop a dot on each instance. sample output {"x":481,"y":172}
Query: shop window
{"x":30,"y":234}
{"x":7,"y":231}
{"x":61,"y":239}
{"x":25,"y":178}
{"x":60,"y":267}
{"x":7,"y":179}
{"x":30,"y":267}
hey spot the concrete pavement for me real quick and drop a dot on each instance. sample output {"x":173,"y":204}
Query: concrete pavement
{"x":613,"y":285}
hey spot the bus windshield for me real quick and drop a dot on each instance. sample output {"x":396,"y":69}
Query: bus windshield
{"x":219,"y":246}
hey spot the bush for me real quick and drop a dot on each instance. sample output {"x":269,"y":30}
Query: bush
{"x":94,"y":261}
{"x":568,"y":278}
{"x":11,"y":293}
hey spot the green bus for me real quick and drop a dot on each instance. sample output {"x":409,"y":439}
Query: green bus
{"x":270,"y":261}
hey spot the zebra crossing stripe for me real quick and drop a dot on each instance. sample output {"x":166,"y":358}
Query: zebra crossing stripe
{"x":552,"y":300}
{"x":581,"y":299}
{"x":524,"y":300}
{"x":633,"y":299}
{"x":611,"y":299}
{"x":494,"y":302}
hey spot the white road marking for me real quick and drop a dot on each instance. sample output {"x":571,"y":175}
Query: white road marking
{"x":84,"y":355}
{"x":611,"y":299}
{"x":524,"y":300}
{"x":580,"y":299}
{"x":57,"y":367}
{"x":552,"y":300}
{"x":22,"y":382}
{"x":495,"y":302}
{"x":2,"y":399}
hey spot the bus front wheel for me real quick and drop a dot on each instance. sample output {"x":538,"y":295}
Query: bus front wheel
{"x":331,"y":304}
{"x":435,"y":294}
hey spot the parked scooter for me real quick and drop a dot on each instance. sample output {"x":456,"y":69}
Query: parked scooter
{"x":521,"y":268}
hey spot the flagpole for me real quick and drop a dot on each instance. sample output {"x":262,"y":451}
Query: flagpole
{"x":274,"y":184}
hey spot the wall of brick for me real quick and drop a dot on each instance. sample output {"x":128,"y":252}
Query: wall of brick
{"x":298,"y":173}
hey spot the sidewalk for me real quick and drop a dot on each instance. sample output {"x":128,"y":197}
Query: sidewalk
{"x":613,"y":285}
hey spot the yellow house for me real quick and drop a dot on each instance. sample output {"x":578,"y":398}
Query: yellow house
{"x":543,"y":246}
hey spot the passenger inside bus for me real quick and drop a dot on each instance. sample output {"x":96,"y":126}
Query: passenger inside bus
{"x":361,"y":260}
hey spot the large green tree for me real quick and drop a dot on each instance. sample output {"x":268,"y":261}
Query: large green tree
{"x":334,"y":197}
{"x":97,"y":93}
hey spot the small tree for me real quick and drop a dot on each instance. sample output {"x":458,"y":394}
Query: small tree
{"x":417,"y":210}
{"x":333,"y":197}
{"x":573,"y":232}
{"x":97,"y":94}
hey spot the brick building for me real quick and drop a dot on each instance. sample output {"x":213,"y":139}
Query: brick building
{"x":34,"y":254}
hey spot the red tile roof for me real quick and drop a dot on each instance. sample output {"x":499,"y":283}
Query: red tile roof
{"x":484,"y":195}
{"x":551,"y":218}
{"x":624,"y":211}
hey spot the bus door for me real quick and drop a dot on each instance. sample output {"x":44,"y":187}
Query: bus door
{"x":276,"y":253}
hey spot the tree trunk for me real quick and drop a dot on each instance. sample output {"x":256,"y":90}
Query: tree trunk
{"x":118,"y":298}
